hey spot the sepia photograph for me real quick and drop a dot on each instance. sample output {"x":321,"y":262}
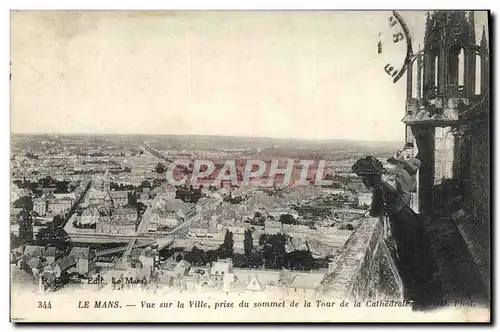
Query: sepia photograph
{"x":250,"y":166}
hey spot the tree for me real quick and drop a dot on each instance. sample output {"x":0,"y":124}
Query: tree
{"x":158,"y":182}
{"x":57,"y":221}
{"x":300,"y":260}
{"x":262,"y":239}
{"x":54,"y":236}
{"x":248,"y":244}
{"x":25,"y":202}
{"x":279,"y":250}
{"x":226,"y":248}
{"x":132,"y":199}
{"x":46,"y":182}
{"x":140,"y":208}
{"x":14,"y":240}
{"x":273,"y":249}
{"x":268,"y":256}
{"x":287,"y":219}
{"x":160,"y":168}
{"x":25,"y":226}
{"x":31,"y":155}
{"x":145,"y":184}
{"x":61,"y":187}
{"x":347,"y":226}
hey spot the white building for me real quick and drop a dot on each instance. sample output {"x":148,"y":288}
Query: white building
{"x":89,"y":217}
{"x":272,"y":227}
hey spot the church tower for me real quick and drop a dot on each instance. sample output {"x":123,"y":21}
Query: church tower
{"x":441,"y":88}
{"x":448,"y":120}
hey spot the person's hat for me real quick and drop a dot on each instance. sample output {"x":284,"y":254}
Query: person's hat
{"x":368,"y":166}
{"x":409,"y":145}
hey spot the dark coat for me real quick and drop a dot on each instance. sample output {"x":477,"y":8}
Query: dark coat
{"x":415,"y":261}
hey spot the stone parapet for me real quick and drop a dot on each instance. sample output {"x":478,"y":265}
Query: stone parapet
{"x":364,"y":267}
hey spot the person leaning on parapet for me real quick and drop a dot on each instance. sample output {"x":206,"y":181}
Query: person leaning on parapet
{"x":405,"y":172}
{"x":414,"y":258}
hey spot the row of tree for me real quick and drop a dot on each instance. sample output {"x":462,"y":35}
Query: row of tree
{"x":189,"y":194}
{"x":270,"y":254}
{"x":47,"y":182}
{"x":53,"y":234}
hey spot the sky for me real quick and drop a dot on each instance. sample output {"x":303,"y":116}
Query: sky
{"x":284,"y":74}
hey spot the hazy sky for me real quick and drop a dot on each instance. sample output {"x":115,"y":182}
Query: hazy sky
{"x":311,"y":75}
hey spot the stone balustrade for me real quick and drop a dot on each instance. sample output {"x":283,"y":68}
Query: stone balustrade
{"x":364,"y":268}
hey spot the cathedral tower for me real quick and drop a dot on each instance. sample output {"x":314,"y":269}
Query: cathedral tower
{"x":447,"y":118}
{"x":444,"y":89}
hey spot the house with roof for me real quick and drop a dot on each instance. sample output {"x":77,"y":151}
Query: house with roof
{"x":118,"y":221}
{"x":85,"y":259}
{"x":36,"y":264}
{"x":99,"y":198}
{"x":165,"y":278}
{"x":272,"y":227}
{"x":89,"y":216}
{"x":306,"y":282}
{"x":40,"y":206}
{"x":125,"y":213}
{"x":66,"y":195}
{"x":208,"y":203}
{"x":176,"y":266}
{"x":164,"y":219}
{"x":34,"y":251}
{"x":204,"y":281}
{"x":59,"y":267}
{"x":119,"y":197}
{"x":60,"y":205}
{"x":255,"y":285}
{"x":167,"y":193}
{"x":189,"y":210}
{"x":296,"y":230}
{"x":238,"y":236}
{"x":181,"y":268}
{"x":50,"y":254}
{"x":34,"y":257}
{"x":143,"y":258}
{"x":265,"y":277}
{"x":220,"y":268}
{"x":45,"y":190}
{"x":116,"y":225}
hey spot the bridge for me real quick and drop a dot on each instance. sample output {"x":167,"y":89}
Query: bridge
{"x":182,"y":228}
{"x":127,"y":249}
{"x":110,"y":251}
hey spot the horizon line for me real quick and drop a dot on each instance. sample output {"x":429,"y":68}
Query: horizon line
{"x":210,"y":135}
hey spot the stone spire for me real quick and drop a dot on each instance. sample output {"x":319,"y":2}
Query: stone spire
{"x":472,"y":24}
{"x":484,"y":42}
{"x":428,"y":25}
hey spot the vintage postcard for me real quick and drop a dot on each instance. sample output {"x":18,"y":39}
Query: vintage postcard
{"x":250,"y":166}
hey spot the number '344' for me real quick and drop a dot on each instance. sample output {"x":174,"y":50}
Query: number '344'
{"x":44,"y":305}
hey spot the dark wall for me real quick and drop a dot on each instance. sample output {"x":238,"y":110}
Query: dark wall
{"x":479,"y":228}
{"x":424,"y":136}
{"x":480,"y":163}
{"x":468,"y":190}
